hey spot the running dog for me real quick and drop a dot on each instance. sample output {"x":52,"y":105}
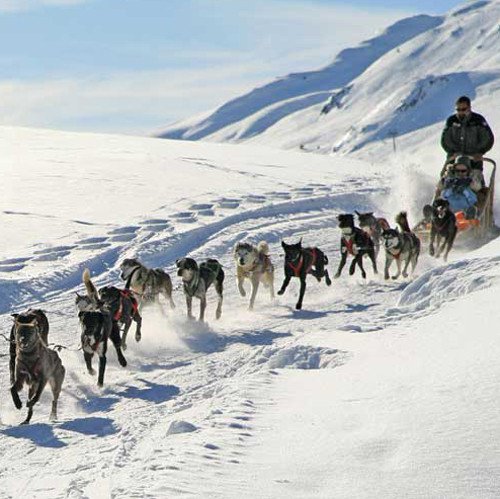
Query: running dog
{"x":253,"y":263}
{"x":355,"y":242}
{"x":402,"y":247}
{"x":443,"y":226}
{"x":197,"y":279}
{"x":34,"y":363}
{"x":301,"y":261}
{"x":147,"y":284}
{"x":119,"y":303}
{"x":374,"y":227}
{"x":97,"y":328}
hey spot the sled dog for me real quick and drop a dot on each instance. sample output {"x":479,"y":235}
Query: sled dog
{"x":355,"y":242}
{"x":119,"y":303}
{"x":147,"y":284}
{"x":402,"y":247}
{"x":196,"y":279}
{"x":373,"y":226}
{"x":301,"y":261}
{"x":253,"y":263}
{"x":443,"y":228}
{"x":34,"y":363}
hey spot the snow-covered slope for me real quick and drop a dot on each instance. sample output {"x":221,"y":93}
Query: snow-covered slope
{"x":398,"y":84}
{"x":375,"y":389}
{"x":300,"y":90}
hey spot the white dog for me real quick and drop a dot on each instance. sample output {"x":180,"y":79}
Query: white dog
{"x":254,"y":263}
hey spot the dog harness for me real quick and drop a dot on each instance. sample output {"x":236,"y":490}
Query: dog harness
{"x":129,"y":279}
{"x":124,"y":294}
{"x":349,"y":244}
{"x":297,"y":268}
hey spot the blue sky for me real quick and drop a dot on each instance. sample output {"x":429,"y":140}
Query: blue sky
{"x":134,"y":66}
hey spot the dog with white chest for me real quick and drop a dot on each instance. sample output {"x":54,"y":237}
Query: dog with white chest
{"x":253,"y":263}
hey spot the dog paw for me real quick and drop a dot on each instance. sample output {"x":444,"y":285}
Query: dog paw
{"x":431,"y":251}
{"x":91,"y":371}
{"x":405,"y":274}
{"x":386,"y":277}
{"x":298,"y":306}
{"x":337,"y":275}
{"x":363,"y":275}
{"x":351,"y":271}
{"x":138,"y":337}
{"x":281,"y":291}
{"x":394,"y":277}
{"x":328,"y":282}
{"x":242,"y":292}
{"x":123,"y":346}
{"x":122,"y":360}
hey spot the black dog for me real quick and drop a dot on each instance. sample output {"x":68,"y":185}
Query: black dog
{"x":196,"y":281}
{"x":301,"y":261}
{"x":443,"y":226}
{"x":121,"y":304}
{"x":124,"y":308}
{"x":97,"y":327}
{"x":355,"y":242}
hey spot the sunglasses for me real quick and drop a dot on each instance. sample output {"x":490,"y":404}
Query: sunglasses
{"x":461,"y":109}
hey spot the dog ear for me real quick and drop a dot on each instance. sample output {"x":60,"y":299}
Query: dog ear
{"x":283,"y":244}
{"x":300,"y":242}
{"x":14,"y":316}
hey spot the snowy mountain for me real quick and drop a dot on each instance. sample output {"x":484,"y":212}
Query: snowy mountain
{"x":399,"y":84}
{"x":375,"y":389}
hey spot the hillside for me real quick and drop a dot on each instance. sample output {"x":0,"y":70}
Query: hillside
{"x":401,"y":84}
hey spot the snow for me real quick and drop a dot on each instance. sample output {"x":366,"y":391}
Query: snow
{"x":375,"y":389}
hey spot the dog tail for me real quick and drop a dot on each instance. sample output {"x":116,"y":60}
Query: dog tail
{"x":402,"y":221}
{"x":263,"y":248}
{"x":89,"y":285}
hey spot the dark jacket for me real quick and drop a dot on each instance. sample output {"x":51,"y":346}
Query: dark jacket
{"x":471,"y":135}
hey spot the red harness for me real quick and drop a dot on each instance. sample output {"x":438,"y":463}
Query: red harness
{"x":349,"y":243}
{"x":126,"y":293}
{"x":297,"y":268}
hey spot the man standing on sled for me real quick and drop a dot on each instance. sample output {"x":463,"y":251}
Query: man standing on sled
{"x":467,"y":133}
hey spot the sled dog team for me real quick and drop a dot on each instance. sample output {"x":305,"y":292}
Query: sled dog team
{"x":109,"y":311}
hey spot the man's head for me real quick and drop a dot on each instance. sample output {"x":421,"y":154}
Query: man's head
{"x":463,"y":106}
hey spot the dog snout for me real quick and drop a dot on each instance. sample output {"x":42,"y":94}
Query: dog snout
{"x":242,"y":261}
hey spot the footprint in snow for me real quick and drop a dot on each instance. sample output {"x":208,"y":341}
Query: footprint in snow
{"x":230,"y":203}
{"x":201,"y":206}
{"x":50,"y":257}
{"x":121,"y":238}
{"x":92,"y":240}
{"x":256,"y":199}
{"x":54,"y":249}
{"x":131,"y":229}
{"x":185,"y":217}
{"x":279,"y":195}
{"x":12,"y":268}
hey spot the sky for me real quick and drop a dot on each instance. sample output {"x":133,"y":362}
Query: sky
{"x":134,"y":66}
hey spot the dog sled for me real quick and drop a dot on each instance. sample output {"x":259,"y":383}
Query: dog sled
{"x":482,"y":225}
